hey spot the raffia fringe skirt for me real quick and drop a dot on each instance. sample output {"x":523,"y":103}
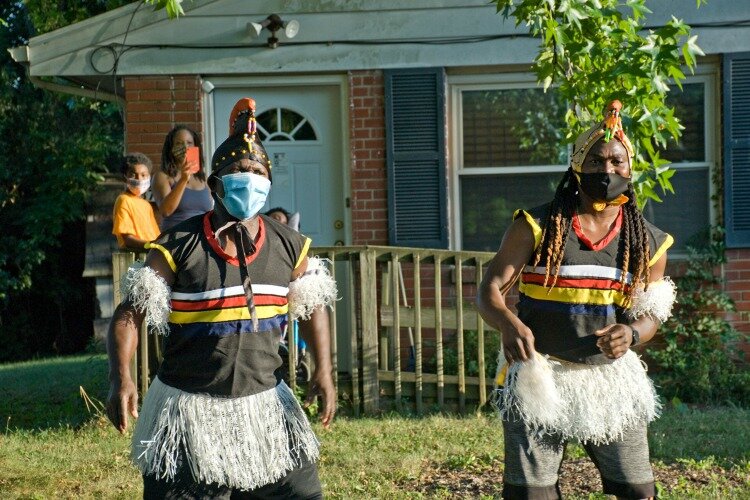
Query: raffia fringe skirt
{"x":591,"y":403}
{"x":243,"y":443}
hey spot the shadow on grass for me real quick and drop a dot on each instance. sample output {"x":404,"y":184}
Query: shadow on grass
{"x":45,"y":394}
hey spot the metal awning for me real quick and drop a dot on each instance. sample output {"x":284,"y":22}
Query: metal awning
{"x":214,"y":38}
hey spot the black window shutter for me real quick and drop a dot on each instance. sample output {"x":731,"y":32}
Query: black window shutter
{"x":415,"y":157}
{"x":737,"y":149}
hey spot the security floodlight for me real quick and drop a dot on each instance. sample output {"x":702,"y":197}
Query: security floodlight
{"x":291,"y":28}
{"x":255,"y":28}
{"x":273,"y":23}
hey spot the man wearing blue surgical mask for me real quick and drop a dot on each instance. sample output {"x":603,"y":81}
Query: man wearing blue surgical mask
{"x":215,"y":423}
{"x":240,"y":190}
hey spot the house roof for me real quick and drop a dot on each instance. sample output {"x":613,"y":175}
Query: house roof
{"x":334,"y":36}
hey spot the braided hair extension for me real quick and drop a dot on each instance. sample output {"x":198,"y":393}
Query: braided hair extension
{"x":634,"y":250}
{"x":624,"y":251}
{"x":557,"y":227}
{"x":638,"y":245}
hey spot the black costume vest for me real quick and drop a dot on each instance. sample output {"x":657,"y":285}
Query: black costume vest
{"x":212,"y":347}
{"x":588,"y":295}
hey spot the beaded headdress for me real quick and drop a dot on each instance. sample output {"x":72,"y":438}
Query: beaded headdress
{"x":610,"y":127}
{"x":243,"y":140}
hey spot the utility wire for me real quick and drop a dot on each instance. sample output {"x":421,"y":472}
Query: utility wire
{"x":118,"y":49}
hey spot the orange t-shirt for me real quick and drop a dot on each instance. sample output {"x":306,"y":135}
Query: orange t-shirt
{"x":133,"y":215}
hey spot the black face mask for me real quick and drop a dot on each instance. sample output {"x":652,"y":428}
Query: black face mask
{"x":603,"y":187}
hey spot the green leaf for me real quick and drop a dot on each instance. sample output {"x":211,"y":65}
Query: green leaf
{"x":659,"y":165}
{"x":547,"y":82}
{"x":693,"y":46}
{"x":646,"y":115}
{"x":658,"y":84}
{"x":677,"y":75}
{"x":592,"y":52}
{"x":650,"y":45}
{"x":639,"y":8}
{"x":172,"y":7}
{"x":688,"y":56}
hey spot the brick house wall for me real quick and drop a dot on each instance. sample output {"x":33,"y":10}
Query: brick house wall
{"x":737,"y":276}
{"x":154,"y":105}
{"x":369,"y":196}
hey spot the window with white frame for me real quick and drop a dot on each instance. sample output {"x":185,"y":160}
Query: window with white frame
{"x":688,"y":213}
{"x":281,"y":124}
{"x":509,"y":153}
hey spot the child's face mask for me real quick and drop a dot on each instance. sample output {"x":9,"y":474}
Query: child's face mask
{"x":138,"y":186}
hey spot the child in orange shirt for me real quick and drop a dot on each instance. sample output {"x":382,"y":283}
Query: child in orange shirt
{"x":134,"y":223}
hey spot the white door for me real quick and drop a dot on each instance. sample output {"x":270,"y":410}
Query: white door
{"x":301,"y":129}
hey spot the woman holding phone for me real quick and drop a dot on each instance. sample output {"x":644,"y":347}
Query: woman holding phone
{"x":180,"y":187}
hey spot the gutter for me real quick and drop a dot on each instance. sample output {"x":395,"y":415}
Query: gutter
{"x":21,"y":56}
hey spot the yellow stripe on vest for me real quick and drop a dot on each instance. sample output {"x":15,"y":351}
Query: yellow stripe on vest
{"x":165,"y":253}
{"x":230,"y":314}
{"x":303,"y":253}
{"x":533,"y":224}
{"x":574,"y":295}
{"x":660,"y":251}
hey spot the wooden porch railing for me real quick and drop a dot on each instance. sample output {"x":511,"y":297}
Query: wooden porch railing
{"x":369,"y":326}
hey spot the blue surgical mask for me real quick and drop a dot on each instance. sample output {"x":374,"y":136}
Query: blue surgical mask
{"x":245,"y":194}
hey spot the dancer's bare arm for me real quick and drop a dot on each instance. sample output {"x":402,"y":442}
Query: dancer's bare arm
{"x":316,"y":332}
{"x":515,"y":251}
{"x":122,"y":341}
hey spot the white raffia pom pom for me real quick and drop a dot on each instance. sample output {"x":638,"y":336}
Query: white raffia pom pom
{"x":315,"y":288}
{"x":531,"y":393}
{"x":592,"y":403}
{"x":656,"y":301}
{"x":149,"y":293}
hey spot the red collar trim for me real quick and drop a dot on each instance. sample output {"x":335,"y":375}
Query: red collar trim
{"x":604,"y":241}
{"x":260,"y":239}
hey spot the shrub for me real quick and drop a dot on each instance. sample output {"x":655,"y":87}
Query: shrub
{"x":471,"y":362}
{"x":701,"y":362}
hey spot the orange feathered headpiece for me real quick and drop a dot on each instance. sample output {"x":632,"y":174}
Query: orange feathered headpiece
{"x":243,"y":140}
{"x":246,"y":104}
{"x":610,"y":127}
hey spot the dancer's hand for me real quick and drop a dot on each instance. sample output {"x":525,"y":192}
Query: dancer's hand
{"x":122,"y":400}
{"x":322,"y":385}
{"x":614,"y":340}
{"x":518,"y":341}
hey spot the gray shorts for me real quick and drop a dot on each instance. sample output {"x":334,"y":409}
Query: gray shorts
{"x":300,"y":483}
{"x":532,"y":464}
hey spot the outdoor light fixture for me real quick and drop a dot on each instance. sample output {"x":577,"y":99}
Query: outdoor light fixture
{"x":273,"y":23}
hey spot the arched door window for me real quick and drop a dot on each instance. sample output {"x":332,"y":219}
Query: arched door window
{"x":282,"y":124}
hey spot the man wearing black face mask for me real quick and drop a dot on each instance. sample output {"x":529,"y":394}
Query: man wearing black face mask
{"x":215,"y":423}
{"x":591,"y":286}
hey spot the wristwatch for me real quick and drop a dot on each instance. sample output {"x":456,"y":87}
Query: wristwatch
{"x":636,"y":336}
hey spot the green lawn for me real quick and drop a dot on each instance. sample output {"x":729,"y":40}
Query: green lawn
{"x":52,"y":447}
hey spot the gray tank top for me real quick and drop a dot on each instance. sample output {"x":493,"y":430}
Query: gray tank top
{"x":193,"y":202}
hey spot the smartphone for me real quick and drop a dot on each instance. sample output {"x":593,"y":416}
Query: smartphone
{"x":193,"y":156}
